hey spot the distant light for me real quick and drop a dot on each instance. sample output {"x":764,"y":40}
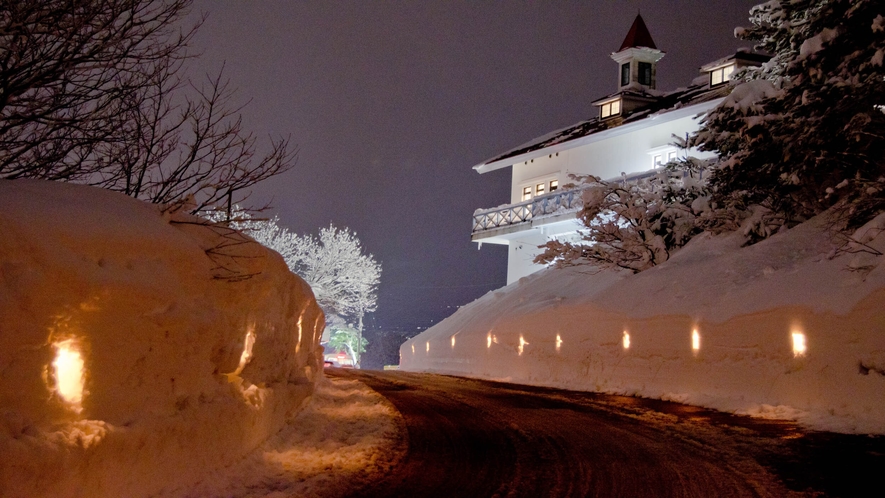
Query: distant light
{"x":522,"y":344}
{"x":695,"y":340}
{"x":798,"y":344}
{"x":558,"y":342}
{"x":626,"y":340}
{"x":69,"y":370}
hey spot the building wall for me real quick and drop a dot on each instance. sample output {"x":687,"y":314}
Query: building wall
{"x":632,"y":152}
{"x":608,"y":158}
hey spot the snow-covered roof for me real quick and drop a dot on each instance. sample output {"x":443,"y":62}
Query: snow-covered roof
{"x":674,"y":104}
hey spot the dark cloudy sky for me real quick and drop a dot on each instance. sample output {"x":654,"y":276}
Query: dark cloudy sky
{"x":392,"y":102}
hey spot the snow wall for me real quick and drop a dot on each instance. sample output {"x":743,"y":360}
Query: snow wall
{"x":193,"y":344}
{"x":786,"y":328}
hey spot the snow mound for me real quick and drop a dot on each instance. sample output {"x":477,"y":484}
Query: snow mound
{"x":789,"y":326}
{"x":138,"y":350}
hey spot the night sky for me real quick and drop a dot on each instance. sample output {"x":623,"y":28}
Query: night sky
{"x":391,"y":103}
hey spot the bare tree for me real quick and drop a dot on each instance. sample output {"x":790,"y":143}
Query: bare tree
{"x":93,"y":92}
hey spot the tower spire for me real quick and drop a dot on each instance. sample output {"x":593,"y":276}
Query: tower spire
{"x":638,"y":36}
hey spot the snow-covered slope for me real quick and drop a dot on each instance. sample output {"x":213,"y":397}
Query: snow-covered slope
{"x":784,"y":328}
{"x":138,"y":350}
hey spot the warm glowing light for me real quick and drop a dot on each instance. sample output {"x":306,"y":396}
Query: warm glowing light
{"x":626,"y":340}
{"x":522,"y":344}
{"x":798,"y":344}
{"x":489,"y":340}
{"x":428,"y":347}
{"x":695,"y":340}
{"x":68,"y":365}
{"x":413,"y":349}
{"x":558,"y":342}
{"x":246,"y":355}
{"x":453,"y":341}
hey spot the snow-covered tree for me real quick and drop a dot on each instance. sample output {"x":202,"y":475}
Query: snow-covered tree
{"x":343,"y":277}
{"x":343,"y":337}
{"x":805,"y":132}
{"x":635,"y":225}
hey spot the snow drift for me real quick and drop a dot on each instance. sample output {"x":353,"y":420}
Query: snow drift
{"x":138,"y":350}
{"x":787,"y":328}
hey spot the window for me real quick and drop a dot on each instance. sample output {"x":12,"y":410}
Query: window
{"x":721,"y":75}
{"x":539,"y":189}
{"x":554,"y":185}
{"x":526,"y":193}
{"x":645,"y":73}
{"x":657,"y":160}
{"x":610,"y":109}
{"x":625,"y":74}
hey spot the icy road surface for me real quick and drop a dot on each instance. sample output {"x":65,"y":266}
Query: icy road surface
{"x":474,"y":438}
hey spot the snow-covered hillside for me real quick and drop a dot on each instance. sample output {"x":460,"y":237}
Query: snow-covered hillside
{"x":787,"y":327}
{"x":138,"y":350}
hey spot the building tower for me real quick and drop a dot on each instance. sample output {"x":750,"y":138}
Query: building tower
{"x":637,"y":59}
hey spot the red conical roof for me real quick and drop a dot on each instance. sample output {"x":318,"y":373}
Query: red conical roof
{"x":638,"y":36}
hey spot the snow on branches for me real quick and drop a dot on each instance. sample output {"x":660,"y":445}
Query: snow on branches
{"x":635,"y":225}
{"x":343,"y":278}
{"x":809,"y":133}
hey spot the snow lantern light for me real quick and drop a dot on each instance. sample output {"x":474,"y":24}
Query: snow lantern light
{"x":68,"y":367}
{"x":489,"y":341}
{"x":695,"y":341}
{"x":453,"y":342}
{"x":798,"y":344}
{"x":522,"y":343}
{"x":246,"y":355}
{"x":626,"y":340}
{"x":427,"y":349}
{"x":558,"y":342}
{"x":413,"y":349}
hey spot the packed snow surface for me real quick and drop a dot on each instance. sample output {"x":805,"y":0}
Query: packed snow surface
{"x":789,"y":327}
{"x":139,"y":349}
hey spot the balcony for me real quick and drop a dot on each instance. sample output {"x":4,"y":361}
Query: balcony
{"x":524,"y":215}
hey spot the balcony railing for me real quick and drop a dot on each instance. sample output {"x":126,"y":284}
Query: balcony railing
{"x":560,"y":202}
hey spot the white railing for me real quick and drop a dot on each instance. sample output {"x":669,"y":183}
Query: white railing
{"x":560,"y":202}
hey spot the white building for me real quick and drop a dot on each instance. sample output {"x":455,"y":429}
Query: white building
{"x":632,"y":134}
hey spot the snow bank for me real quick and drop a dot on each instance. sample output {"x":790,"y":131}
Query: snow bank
{"x":138,"y":350}
{"x":784,"y":328}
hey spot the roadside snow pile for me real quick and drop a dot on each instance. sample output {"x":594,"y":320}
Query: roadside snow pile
{"x":138,"y":351}
{"x":783,"y":328}
{"x":345,"y":437}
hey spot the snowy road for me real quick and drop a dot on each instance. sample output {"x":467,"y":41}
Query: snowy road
{"x":472,"y":438}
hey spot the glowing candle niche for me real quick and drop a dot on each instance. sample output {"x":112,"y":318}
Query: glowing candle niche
{"x":558,"y":342}
{"x":489,"y":341}
{"x":246,"y":355}
{"x":798,"y":344}
{"x":69,"y":366}
{"x":522,"y":344}
{"x":626,"y":340}
{"x":427,"y":349}
{"x":453,"y":342}
{"x":413,"y":349}
{"x":695,"y":340}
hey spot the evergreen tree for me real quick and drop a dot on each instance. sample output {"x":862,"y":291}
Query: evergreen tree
{"x":805,"y":132}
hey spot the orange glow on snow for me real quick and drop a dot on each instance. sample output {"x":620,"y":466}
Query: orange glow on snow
{"x":695,"y":340}
{"x":69,"y":370}
{"x":427,"y":349}
{"x":558,"y":342}
{"x":798,"y":344}
{"x":246,"y":355}
{"x":453,"y":342}
{"x":413,"y":349}
{"x":522,"y":344}
{"x":489,"y":340}
{"x":626,"y":340}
